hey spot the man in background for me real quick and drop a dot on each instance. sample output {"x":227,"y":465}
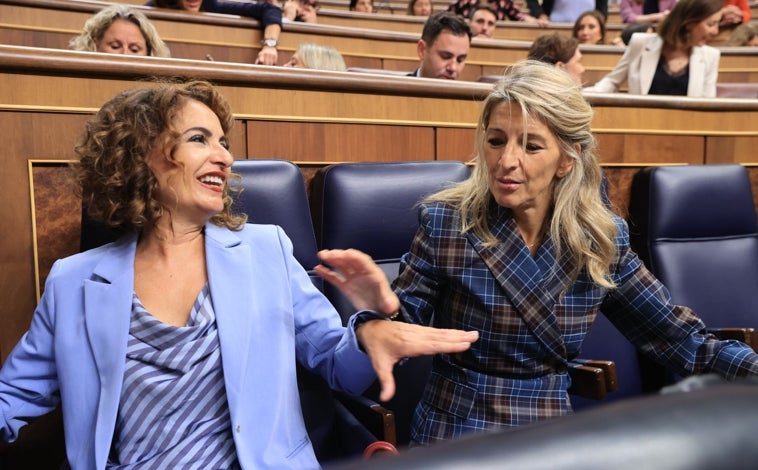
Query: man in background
{"x":443,"y":47}
{"x":482,"y":21}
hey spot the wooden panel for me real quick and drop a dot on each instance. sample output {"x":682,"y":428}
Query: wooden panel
{"x":324,"y":142}
{"x":29,"y":135}
{"x":650,"y":148}
{"x":456,"y":143}
{"x":732,"y":149}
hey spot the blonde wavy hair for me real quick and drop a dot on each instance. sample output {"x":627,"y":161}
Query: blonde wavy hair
{"x":98,"y":24}
{"x":319,"y":57}
{"x":118,"y":187}
{"x":581,"y":224}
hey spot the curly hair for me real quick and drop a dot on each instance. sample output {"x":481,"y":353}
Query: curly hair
{"x":117,"y":186}
{"x":581,"y":224}
{"x":98,"y":24}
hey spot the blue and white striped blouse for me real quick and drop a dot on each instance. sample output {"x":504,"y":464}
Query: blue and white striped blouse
{"x":173,"y":411}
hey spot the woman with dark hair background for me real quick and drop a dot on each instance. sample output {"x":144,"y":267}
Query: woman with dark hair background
{"x":674,"y":61}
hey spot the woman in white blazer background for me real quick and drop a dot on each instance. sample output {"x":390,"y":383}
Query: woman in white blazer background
{"x":676,"y":59}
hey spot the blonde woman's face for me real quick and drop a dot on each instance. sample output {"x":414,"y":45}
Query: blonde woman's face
{"x":296,"y":62}
{"x":522,"y":177}
{"x":122,"y":37}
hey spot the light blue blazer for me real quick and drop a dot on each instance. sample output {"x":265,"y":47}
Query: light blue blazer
{"x":637,"y":68}
{"x":268,"y":313}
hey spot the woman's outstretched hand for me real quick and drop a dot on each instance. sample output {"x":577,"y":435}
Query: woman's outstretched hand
{"x":359,"y":279}
{"x":387,"y":342}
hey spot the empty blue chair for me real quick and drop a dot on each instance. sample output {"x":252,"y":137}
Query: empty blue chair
{"x":695,"y":228}
{"x":372,"y":207}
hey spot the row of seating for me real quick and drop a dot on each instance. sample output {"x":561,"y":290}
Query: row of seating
{"x":370,"y":206}
{"x":719,"y":238}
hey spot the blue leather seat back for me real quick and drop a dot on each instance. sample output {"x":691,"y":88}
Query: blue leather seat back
{"x":695,"y":228}
{"x":274,"y":193}
{"x":372,"y":206}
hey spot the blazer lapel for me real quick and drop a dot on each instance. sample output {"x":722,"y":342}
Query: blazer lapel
{"x":107,"y":312}
{"x":229,"y":262}
{"x":697,"y":72}
{"x":650,"y":56}
{"x":517,"y":273}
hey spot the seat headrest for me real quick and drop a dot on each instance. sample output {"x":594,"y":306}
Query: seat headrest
{"x":697,"y":201}
{"x":273,"y":192}
{"x":372,"y":206}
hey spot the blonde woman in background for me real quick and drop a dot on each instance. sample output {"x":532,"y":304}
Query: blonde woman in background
{"x":313,"y":56}
{"x":119,"y":29}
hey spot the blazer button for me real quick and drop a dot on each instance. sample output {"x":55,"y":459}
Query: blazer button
{"x":238,"y":428}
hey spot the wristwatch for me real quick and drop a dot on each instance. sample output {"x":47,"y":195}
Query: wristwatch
{"x":269,"y":42}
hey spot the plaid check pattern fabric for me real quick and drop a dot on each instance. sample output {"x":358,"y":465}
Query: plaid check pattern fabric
{"x":532,"y":318}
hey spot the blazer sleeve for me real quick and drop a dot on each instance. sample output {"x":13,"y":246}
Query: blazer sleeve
{"x":641,"y":308}
{"x":419,"y":283}
{"x":322,"y":344}
{"x":264,"y":12}
{"x":620,"y":74}
{"x":613,"y":80}
{"x":28,"y":379}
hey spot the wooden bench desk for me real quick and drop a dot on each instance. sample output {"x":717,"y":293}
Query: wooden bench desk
{"x":310,"y":117}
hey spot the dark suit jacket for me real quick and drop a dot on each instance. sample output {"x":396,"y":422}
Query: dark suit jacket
{"x":517,"y":372}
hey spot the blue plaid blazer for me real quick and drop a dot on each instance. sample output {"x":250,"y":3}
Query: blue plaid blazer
{"x":517,"y":372}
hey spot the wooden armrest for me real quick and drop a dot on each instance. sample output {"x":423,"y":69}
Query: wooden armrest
{"x":748,"y":336}
{"x":587,"y":381}
{"x":377,"y":419}
{"x":609,"y":369}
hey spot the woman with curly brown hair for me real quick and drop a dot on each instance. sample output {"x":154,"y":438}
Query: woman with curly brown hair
{"x":155,"y":344}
